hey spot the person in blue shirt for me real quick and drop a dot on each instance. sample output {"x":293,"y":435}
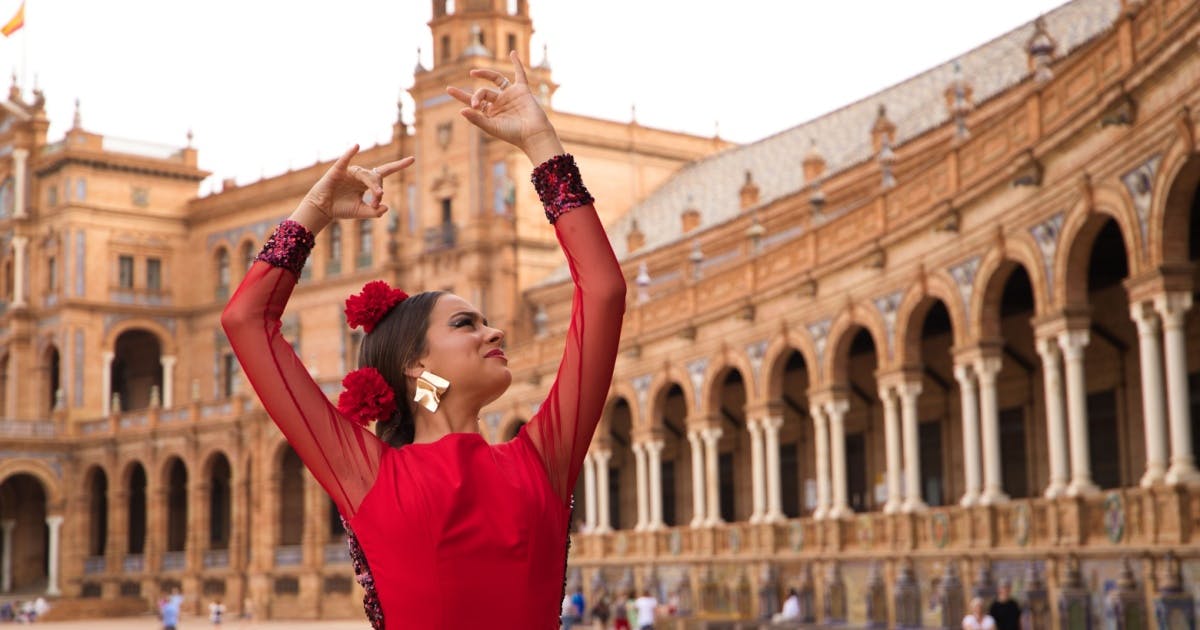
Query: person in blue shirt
{"x":578,"y":603}
{"x":170,"y":610}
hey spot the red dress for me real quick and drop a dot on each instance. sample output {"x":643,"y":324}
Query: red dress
{"x":457,"y":533}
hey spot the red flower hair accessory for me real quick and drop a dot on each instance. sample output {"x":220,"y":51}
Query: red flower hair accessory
{"x":369,"y":306}
{"x":367,"y":397}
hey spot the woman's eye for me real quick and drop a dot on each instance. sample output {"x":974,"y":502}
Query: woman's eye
{"x":463,"y":322}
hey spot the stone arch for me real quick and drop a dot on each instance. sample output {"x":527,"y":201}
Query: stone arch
{"x":841,"y":334}
{"x":994,"y":271}
{"x":916,"y":304}
{"x":717,"y":371}
{"x":40,"y":470}
{"x":664,"y":379}
{"x":1079,"y":231}
{"x":1178,"y":178}
{"x":97,"y":508}
{"x":50,"y":367}
{"x":621,"y":389}
{"x":166,"y":339}
{"x":775,"y":359}
{"x":246,"y":251}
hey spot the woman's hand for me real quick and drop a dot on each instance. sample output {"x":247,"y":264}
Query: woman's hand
{"x":346,"y":191}
{"x":510,"y":112}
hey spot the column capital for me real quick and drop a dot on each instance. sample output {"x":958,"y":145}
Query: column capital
{"x":601,"y":454}
{"x":20,"y":241}
{"x":1066,"y":319}
{"x":108,"y":356}
{"x":836,"y":409}
{"x":8,"y":524}
{"x":1145,"y":315}
{"x":1163,"y":279}
{"x":827,"y":394}
{"x":1047,"y":348}
{"x":55,"y":520}
{"x":773,"y":423}
{"x":20,"y":154}
{"x":909,"y":389}
{"x":764,"y":409}
{"x":168,"y":359}
{"x":988,"y":367}
{"x":964,"y":373}
{"x":711,"y":433}
{"x":1073,"y":342}
{"x":1173,"y":307}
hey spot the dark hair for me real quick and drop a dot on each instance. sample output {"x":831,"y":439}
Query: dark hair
{"x":397,"y":342}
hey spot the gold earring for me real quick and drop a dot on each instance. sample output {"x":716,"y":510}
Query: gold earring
{"x":430,"y":388}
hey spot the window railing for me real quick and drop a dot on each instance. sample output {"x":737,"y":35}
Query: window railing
{"x":289,"y":555}
{"x":173,"y":561}
{"x":362,"y":261}
{"x":337,"y":553}
{"x":94,"y":564}
{"x":133,"y":563}
{"x":441,"y":237}
{"x":216,"y":558}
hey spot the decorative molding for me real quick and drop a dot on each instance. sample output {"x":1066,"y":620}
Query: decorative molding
{"x":888,"y":305}
{"x":1140,"y":184}
{"x":1045,"y":234}
{"x":641,"y":385}
{"x":696,"y":369}
{"x":964,"y":278}
{"x":820,"y":334}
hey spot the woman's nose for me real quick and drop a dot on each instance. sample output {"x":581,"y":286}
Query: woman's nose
{"x":497,"y":336}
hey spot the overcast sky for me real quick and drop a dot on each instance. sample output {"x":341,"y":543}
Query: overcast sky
{"x":268,"y":84}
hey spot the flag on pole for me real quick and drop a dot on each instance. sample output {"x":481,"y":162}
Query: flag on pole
{"x":15,"y":23}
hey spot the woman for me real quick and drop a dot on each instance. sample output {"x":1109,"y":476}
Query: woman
{"x":435,"y":513}
{"x":977,"y":619}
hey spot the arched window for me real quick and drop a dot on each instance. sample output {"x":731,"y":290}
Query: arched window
{"x":222,"y":273}
{"x":248,"y":255}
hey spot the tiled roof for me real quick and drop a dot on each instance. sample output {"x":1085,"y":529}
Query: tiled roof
{"x":843,"y":137}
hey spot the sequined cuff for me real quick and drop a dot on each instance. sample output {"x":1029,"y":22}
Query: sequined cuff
{"x":288,"y":246}
{"x":559,"y":186}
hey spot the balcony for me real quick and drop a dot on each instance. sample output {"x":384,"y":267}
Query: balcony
{"x":174,"y":561}
{"x":94,"y":565}
{"x":337,"y":553}
{"x":133,"y":563}
{"x":444,"y":236}
{"x":216,"y":558}
{"x":28,"y":428}
{"x":289,"y":556}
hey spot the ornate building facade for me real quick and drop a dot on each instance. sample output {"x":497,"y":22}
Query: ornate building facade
{"x":937,"y":338}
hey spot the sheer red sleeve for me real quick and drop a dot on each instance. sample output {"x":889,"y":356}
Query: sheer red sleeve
{"x":343,"y":456}
{"x":562,"y":428}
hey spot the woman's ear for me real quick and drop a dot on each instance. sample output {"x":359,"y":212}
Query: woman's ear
{"x":414,"y":371}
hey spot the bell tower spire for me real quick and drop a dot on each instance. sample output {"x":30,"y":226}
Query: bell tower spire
{"x":479,"y":28}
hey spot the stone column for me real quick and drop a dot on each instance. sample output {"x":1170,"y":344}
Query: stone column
{"x":19,"y":245}
{"x":168,"y":379}
{"x":604,"y":522}
{"x":1173,"y":307}
{"x":891,"y":434}
{"x":106,"y":383}
{"x":1154,"y":416}
{"x":771,"y":426}
{"x":6,"y":555}
{"x":910,"y":392}
{"x":987,"y":369}
{"x":1056,"y":432}
{"x":654,"y":450}
{"x":712,"y":480}
{"x":589,"y":493}
{"x":1073,"y":343}
{"x":758,"y":484}
{"x":20,"y":157}
{"x":699,"y":514}
{"x":821,"y":458}
{"x":965,"y":375}
{"x":54,"y":528}
{"x":643,"y":501}
{"x":836,"y":410}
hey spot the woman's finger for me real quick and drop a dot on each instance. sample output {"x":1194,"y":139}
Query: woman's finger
{"x":372,"y":181}
{"x":394,"y":167}
{"x":499,"y":79}
{"x":479,"y":119}
{"x":460,"y":95}
{"x":344,"y":161}
{"x":484,"y":95}
{"x":518,"y":68}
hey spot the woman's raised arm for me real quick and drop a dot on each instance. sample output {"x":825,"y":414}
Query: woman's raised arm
{"x":563,"y":427}
{"x":342,"y":455}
